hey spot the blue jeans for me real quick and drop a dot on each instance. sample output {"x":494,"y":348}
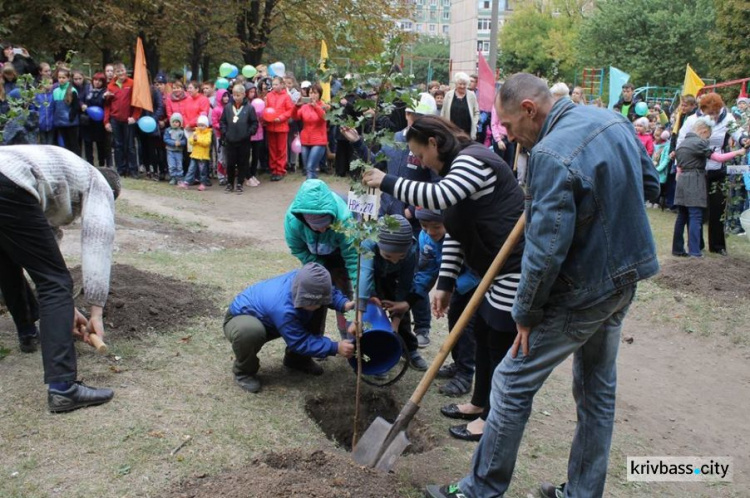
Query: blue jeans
{"x":123,"y":141}
{"x":197,"y":166}
{"x":174,"y":161}
{"x":693,"y":218}
{"x":311,"y":155}
{"x":420,"y":312}
{"x":593,"y":337}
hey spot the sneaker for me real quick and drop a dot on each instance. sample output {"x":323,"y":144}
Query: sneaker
{"x":447,"y":371}
{"x":423,"y":339}
{"x":238,"y":189}
{"x":183,"y":185}
{"x":303,"y":364}
{"x":249,"y":383}
{"x":201,"y":187}
{"x":228,"y":189}
{"x":28,"y":343}
{"x":223,"y":182}
{"x":254,"y":182}
{"x":77,"y":396}
{"x":275,"y":178}
{"x":549,"y":490}
{"x":173,"y":181}
{"x":417,"y":362}
{"x":449,"y":491}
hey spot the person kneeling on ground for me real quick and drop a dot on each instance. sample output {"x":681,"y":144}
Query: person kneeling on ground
{"x":42,"y":188}
{"x":289,"y":306}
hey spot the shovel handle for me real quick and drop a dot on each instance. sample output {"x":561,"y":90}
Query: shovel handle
{"x":463,"y":320}
{"x":98,"y":344}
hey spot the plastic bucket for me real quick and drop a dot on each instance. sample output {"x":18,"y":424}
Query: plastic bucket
{"x":745,"y":221}
{"x":381,"y":348}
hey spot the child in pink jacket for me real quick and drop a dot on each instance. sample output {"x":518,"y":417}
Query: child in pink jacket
{"x":222,"y":99}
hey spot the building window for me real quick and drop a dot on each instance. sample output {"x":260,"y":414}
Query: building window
{"x":483,"y":46}
{"x":419,"y":28}
{"x":433,"y":3}
{"x":446,"y":15}
{"x":483,"y":4}
{"x":420,"y":2}
{"x":433,"y":29}
{"x":407,"y":26}
{"x":484,"y":24}
{"x":446,"y":29}
{"x":446,"y":3}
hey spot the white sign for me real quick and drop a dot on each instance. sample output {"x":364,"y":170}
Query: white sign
{"x":365,"y":204}
{"x":737,"y":170}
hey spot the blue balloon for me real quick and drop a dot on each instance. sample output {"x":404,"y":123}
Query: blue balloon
{"x":147,"y":124}
{"x":95,"y":113}
{"x":271,"y":72}
{"x":234,"y":72}
{"x":14,"y":94}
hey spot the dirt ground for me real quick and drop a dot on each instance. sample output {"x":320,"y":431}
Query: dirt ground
{"x":683,"y":385}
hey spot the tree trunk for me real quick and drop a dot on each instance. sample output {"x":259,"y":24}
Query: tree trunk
{"x":106,"y":56}
{"x":205,"y":66}
{"x":254,"y":29}
{"x":196,"y":53}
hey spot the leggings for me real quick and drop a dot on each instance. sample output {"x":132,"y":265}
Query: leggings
{"x":492,"y":346}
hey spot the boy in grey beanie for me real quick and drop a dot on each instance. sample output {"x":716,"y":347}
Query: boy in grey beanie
{"x":175,"y":141}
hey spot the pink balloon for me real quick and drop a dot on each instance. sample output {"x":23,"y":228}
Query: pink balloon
{"x":297,"y":145}
{"x":269,"y":114}
{"x":258,"y":105}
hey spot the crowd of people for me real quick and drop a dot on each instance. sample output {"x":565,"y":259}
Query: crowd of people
{"x":454,"y":196}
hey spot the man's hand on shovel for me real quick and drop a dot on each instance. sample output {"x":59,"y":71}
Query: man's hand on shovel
{"x":90,"y":331}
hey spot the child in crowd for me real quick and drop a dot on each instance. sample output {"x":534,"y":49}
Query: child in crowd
{"x":222,"y":99}
{"x":199,"y":156}
{"x":661,"y":160}
{"x":43,"y":104}
{"x":238,"y":123}
{"x":65,"y":111}
{"x":644,"y":134}
{"x":389,"y":275}
{"x":278,"y":128}
{"x":439,"y":97}
{"x":461,"y":371}
{"x":258,"y":148}
{"x":174,"y":139}
{"x":93,"y":131}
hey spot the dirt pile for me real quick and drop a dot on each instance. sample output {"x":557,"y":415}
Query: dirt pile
{"x":141,"y":302}
{"x":318,"y":474}
{"x":725,"y":280}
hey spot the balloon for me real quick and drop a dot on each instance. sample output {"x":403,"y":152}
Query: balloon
{"x":278,"y":69}
{"x":258,"y":105}
{"x":147,"y":124}
{"x":270,"y":72}
{"x":297,"y":145}
{"x":95,"y":113}
{"x":249,"y":71}
{"x":269,"y":114}
{"x":222,"y":83}
{"x":641,"y":108}
{"x":225,"y":69}
{"x":234,"y":72}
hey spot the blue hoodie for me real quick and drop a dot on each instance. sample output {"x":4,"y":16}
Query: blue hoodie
{"x":43,"y":106}
{"x":428,"y":267}
{"x":270,"y":301}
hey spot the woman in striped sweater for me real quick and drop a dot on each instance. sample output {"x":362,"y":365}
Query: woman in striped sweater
{"x":481,"y":201}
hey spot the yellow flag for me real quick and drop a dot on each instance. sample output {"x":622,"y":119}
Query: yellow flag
{"x":326,"y":86}
{"x":692,"y":84}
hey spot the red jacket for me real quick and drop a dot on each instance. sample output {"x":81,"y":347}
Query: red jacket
{"x":282,"y":103}
{"x":313,"y":123}
{"x":193,"y":108}
{"x":118,"y":105}
{"x":174,"y":104}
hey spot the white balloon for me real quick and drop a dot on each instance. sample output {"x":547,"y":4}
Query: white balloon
{"x":279,"y":69}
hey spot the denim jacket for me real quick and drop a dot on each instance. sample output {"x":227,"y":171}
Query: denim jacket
{"x":587,"y":232}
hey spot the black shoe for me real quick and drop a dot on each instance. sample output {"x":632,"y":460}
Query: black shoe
{"x":457,"y":386}
{"x":238,"y":189}
{"x":549,"y":490}
{"x":304,"y":364}
{"x":228,"y":189}
{"x":452,"y":411}
{"x":680,"y":254}
{"x":447,"y":371}
{"x":78,"y":396}
{"x":28,"y":343}
{"x":208,"y":183}
{"x":275,"y":178}
{"x":248,"y":382}
{"x":462,"y":432}
{"x":417,"y":362}
{"x":722,"y":252}
{"x":449,"y":491}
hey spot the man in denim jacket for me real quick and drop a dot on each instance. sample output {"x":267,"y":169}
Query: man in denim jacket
{"x":588,"y":241}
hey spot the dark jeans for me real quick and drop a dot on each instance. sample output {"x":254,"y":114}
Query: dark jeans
{"x":47,"y":137}
{"x":693,"y":218}
{"x":311,"y":156}
{"x":491,"y":346}
{"x":385,"y":288}
{"x":257,"y":151}
{"x":463,"y":352}
{"x":421,"y":314}
{"x":28,"y":242}
{"x":236,"y":161}
{"x":717,"y":203}
{"x":123,"y":140}
{"x":102,"y":152}
{"x":67,"y":137}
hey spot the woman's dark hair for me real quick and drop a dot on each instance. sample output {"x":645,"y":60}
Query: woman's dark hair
{"x":449,"y":137}
{"x":315,"y":87}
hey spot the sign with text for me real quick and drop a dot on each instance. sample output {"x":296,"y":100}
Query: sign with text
{"x":364,"y":204}
{"x":737,"y":170}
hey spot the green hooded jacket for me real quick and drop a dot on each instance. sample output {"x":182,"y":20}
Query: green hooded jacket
{"x":309,"y":246}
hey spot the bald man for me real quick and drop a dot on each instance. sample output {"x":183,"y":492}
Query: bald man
{"x":588,"y":242}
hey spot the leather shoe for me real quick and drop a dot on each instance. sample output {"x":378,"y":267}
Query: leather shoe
{"x":452,"y":411}
{"x":77,"y":396}
{"x":28,"y":343}
{"x":462,"y":432}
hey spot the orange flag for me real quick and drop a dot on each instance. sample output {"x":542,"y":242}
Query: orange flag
{"x":141,"y":89}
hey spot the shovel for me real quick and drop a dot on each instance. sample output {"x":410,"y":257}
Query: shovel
{"x":382,"y":443}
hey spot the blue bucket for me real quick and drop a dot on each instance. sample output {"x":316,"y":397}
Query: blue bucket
{"x":378,"y":342}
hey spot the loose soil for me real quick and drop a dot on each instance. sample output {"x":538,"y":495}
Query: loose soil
{"x":141,"y":302}
{"x":336,"y":419}
{"x":722,"y":279}
{"x":318,"y":474}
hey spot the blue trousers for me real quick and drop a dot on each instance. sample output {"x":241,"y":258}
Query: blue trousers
{"x":693,"y":218}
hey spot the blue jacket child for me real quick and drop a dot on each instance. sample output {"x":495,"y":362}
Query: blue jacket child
{"x":288,"y":306}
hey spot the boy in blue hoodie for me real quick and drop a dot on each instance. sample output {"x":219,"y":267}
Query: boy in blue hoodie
{"x":389,"y":276}
{"x":175,"y":141}
{"x":289,"y":306}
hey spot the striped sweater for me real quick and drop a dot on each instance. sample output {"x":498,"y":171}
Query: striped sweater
{"x":471,"y":178}
{"x":67,"y":187}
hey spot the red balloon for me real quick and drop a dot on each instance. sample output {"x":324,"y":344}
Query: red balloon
{"x":269,"y":114}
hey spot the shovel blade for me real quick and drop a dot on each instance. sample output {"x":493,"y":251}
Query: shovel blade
{"x":375,"y":451}
{"x":392,"y":452}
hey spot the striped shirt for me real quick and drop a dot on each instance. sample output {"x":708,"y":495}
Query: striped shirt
{"x":67,"y":187}
{"x":470,"y":178}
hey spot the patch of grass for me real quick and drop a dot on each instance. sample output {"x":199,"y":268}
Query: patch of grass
{"x":3,"y":351}
{"x":125,"y":208}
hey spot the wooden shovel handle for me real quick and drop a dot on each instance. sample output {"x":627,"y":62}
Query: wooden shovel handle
{"x":463,"y":320}
{"x":98,"y":344}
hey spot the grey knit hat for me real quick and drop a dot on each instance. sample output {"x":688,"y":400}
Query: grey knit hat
{"x":396,"y":241}
{"x":428,"y":215}
{"x":311,"y":286}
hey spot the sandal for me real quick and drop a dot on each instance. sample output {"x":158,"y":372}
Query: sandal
{"x":457,"y":386}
